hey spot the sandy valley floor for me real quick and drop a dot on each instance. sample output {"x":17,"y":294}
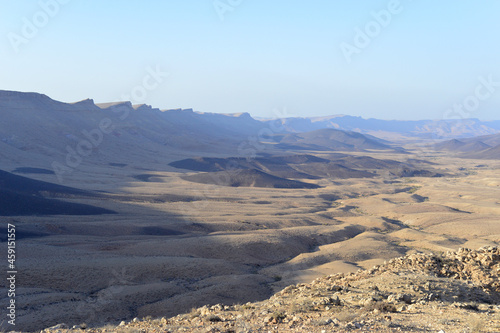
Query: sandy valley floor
{"x":175,"y":245}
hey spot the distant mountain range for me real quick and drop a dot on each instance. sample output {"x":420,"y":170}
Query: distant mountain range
{"x":72,"y":134}
{"x":436,"y":129}
{"x":39,"y":132}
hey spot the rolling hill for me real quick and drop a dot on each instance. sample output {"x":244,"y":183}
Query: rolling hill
{"x":304,"y":166}
{"x":482,"y":147}
{"x":488,"y":154}
{"x":331,"y":140}
{"x":247,"y":178}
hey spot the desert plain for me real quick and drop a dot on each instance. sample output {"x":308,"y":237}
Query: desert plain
{"x":175,"y":244}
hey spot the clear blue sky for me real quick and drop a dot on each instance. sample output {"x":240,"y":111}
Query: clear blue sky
{"x":264,"y":55}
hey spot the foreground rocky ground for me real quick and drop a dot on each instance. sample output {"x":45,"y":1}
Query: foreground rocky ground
{"x":453,"y":292}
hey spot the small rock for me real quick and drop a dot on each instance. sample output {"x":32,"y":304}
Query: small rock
{"x":214,"y":319}
{"x":216,"y":307}
{"x":325,"y":322}
{"x":367,"y":301}
{"x":406,"y":298}
{"x":58,"y":327}
{"x":335,"y":300}
{"x":402,"y":308}
{"x":334,"y":288}
{"x":432,"y":297}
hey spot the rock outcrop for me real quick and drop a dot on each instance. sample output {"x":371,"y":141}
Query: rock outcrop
{"x":451,"y":292}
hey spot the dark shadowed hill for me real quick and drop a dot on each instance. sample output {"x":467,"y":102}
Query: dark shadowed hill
{"x":294,"y":166}
{"x":247,"y":178}
{"x":461,"y":146}
{"x":339,"y":166}
{"x":24,"y":196}
{"x":280,"y":166}
{"x":20,"y":204}
{"x":20,"y":184}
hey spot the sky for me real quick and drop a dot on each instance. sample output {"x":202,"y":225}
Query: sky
{"x":406,"y":60}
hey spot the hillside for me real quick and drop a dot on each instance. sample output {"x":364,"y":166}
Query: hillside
{"x":247,"y":178}
{"x":491,"y":140}
{"x":482,"y":147}
{"x":487,"y":154}
{"x":331,"y":139}
{"x":38,"y":130}
{"x":303,"y":166}
{"x":452,"y":292}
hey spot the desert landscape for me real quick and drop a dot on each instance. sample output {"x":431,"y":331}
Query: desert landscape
{"x":231,"y":166}
{"x":141,"y":228}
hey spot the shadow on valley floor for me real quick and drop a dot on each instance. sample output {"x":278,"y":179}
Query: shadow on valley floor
{"x":24,"y":196}
{"x":86,"y":256}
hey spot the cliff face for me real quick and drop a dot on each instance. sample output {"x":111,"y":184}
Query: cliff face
{"x":452,"y":292}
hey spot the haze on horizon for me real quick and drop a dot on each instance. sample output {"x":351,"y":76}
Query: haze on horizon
{"x":411,"y":60}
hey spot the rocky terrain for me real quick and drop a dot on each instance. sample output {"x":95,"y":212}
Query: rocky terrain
{"x":420,"y":292}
